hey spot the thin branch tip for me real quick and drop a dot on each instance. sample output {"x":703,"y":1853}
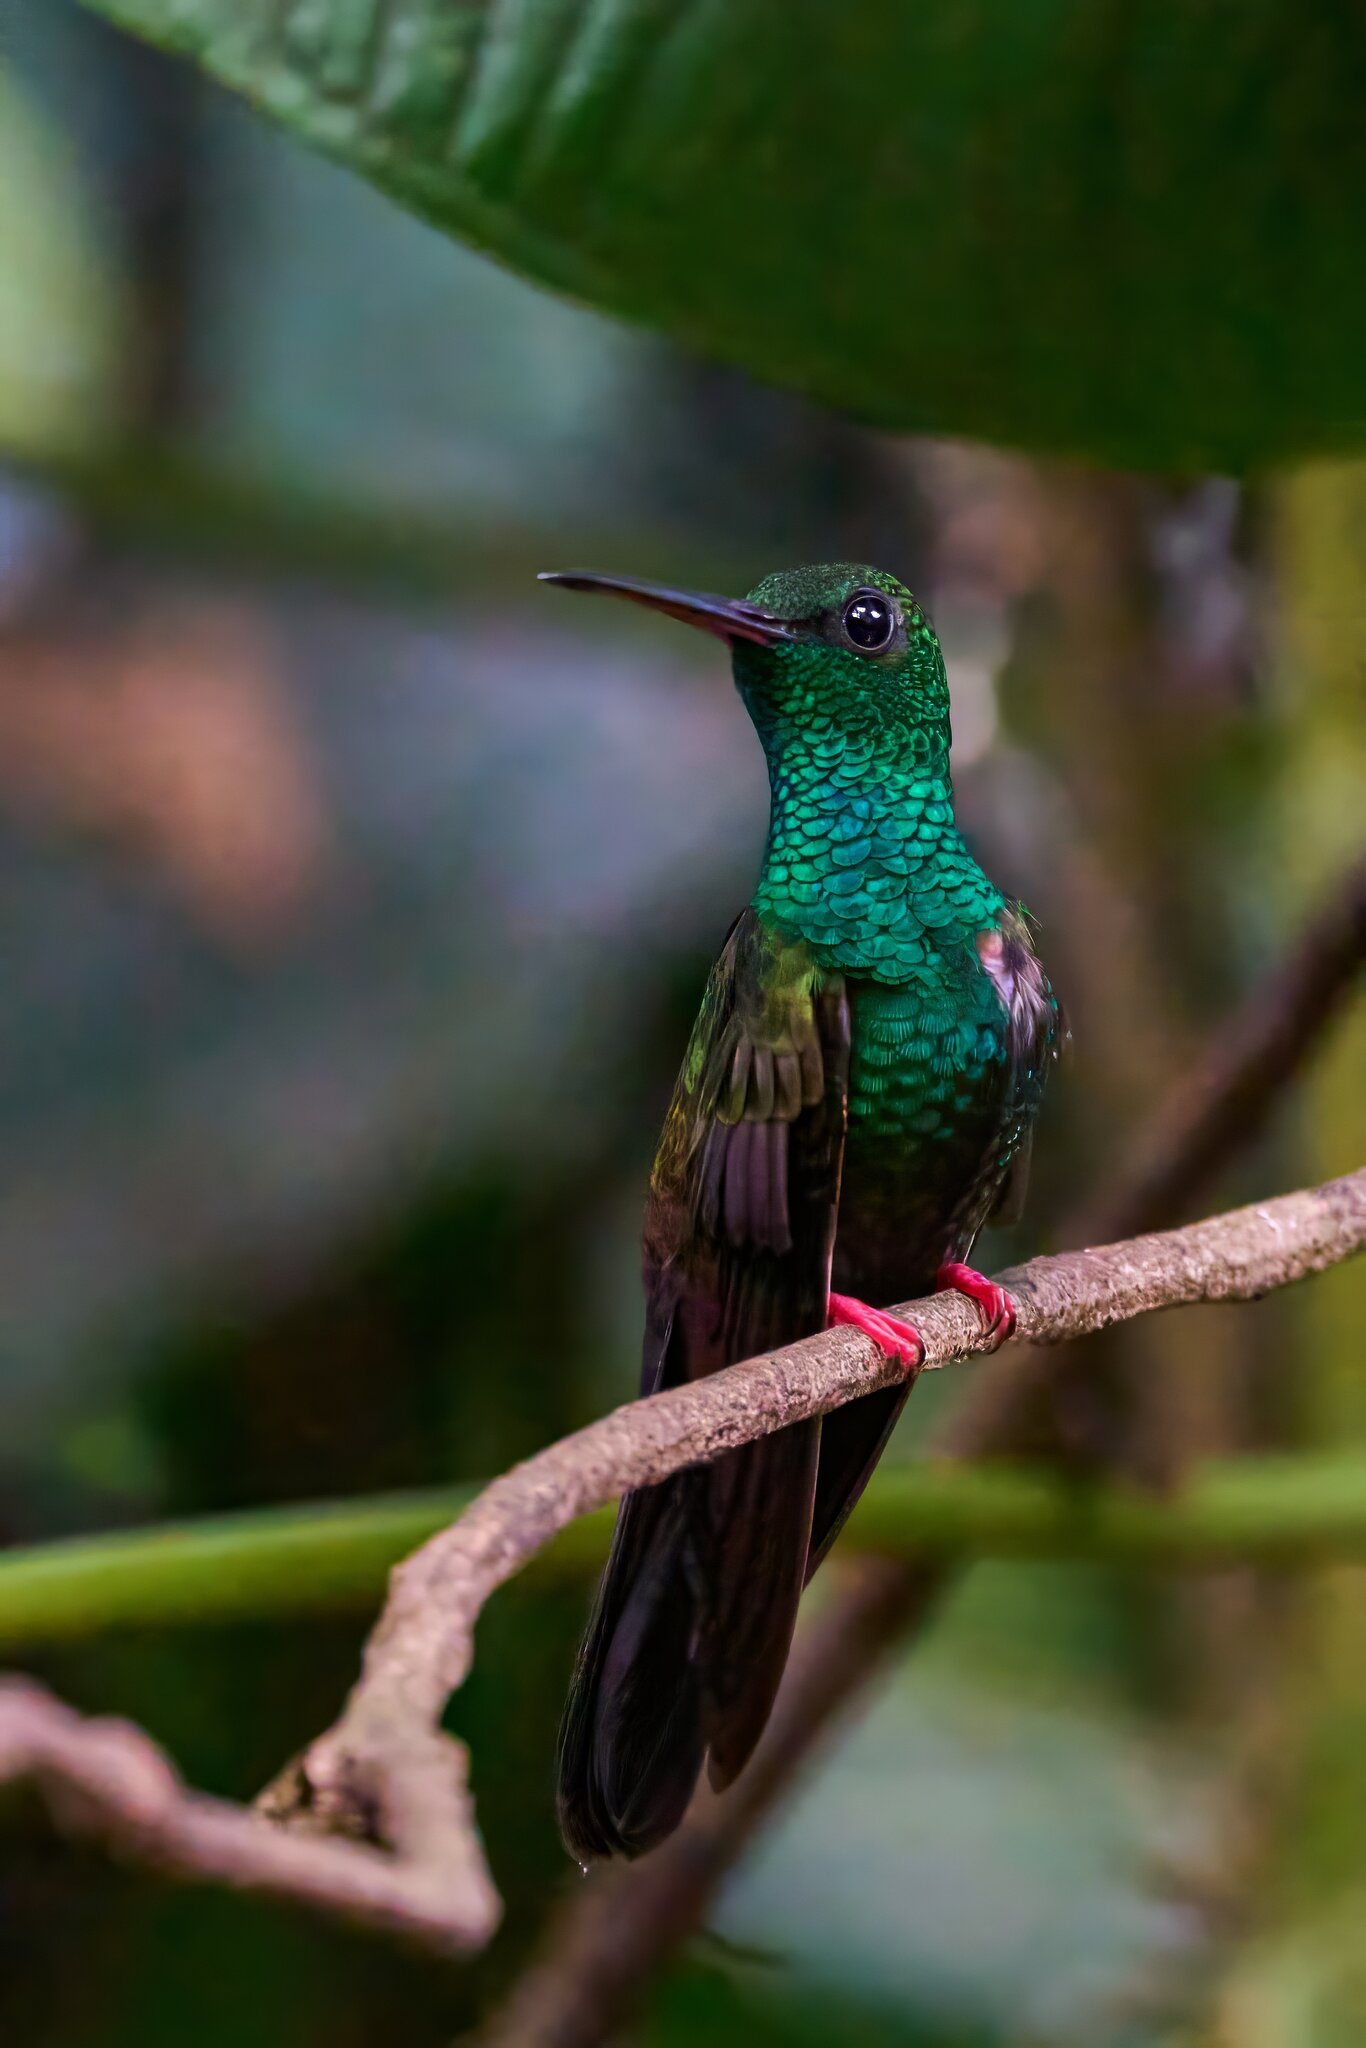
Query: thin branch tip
{"x":107,"y":1781}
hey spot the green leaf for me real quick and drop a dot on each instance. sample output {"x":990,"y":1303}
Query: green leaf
{"x":1128,"y":231}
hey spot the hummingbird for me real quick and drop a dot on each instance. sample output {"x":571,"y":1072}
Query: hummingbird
{"x":854,"y":1104}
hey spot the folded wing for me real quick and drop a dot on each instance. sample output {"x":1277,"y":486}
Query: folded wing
{"x":696,"y":1608}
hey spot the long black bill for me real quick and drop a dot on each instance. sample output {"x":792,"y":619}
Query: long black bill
{"x":730,"y":618}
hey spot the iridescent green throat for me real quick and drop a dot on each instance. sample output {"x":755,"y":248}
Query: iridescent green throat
{"x":864,"y":859}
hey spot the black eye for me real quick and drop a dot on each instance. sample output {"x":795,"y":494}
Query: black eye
{"x":870,"y":621}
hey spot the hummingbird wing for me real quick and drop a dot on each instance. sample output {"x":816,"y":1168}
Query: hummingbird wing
{"x":695,"y":1612}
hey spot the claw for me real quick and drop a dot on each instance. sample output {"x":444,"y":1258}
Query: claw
{"x":998,"y":1309}
{"x":899,"y":1340}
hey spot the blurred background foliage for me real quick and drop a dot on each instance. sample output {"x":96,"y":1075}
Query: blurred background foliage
{"x":357,"y":896}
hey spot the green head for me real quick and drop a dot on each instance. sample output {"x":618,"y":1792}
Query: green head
{"x":838,"y":652}
{"x":842,"y":675}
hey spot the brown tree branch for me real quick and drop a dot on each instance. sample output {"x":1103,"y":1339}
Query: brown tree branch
{"x":386,"y":1772}
{"x":612,"y":1934}
{"x":389,"y":1789}
{"x":384,"y":1779}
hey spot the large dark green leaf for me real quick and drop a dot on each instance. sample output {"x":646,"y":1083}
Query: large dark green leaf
{"x":1129,"y":228}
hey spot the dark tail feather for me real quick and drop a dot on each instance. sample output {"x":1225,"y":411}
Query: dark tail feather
{"x":630,"y":1741}
{"x":760,"y":1501}
{"x":853,"y":1438}
{"x":687,"y":1642}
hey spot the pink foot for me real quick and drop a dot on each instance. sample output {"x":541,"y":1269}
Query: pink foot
{"x":998,"y":1310}
{"x":899,"y":1340}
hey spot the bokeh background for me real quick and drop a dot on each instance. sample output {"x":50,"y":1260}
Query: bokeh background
{"x":356,"y":897}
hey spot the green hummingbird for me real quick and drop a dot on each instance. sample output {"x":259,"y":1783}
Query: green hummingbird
{"x":855,"y":1102}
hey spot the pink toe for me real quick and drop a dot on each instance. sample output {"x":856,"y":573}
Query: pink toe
{"x":899,"y":1340}
{"x":998,"y":1310}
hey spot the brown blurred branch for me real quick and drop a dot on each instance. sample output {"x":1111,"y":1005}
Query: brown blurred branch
{"x":1221,"y":1105}
{"x":613,"y":1934}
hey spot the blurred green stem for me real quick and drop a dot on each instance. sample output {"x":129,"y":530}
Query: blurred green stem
{"x":1290,"y":1510}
